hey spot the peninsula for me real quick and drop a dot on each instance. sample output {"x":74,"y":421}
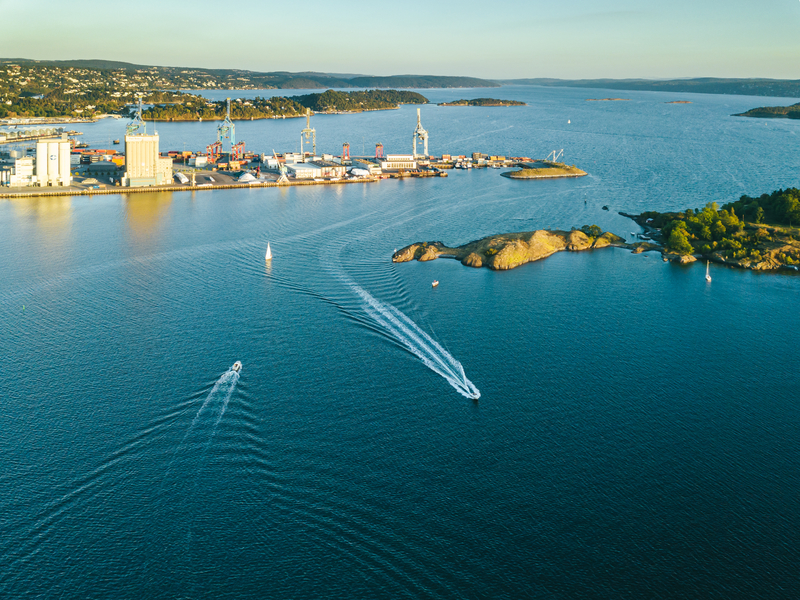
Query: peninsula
{"x":510,"y":250}
{"x":761,"y":234}
{"x":483,"y":102}
{"x":544,"y":169}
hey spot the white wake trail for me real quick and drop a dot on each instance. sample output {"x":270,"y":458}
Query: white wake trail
{"x":419,"y":343}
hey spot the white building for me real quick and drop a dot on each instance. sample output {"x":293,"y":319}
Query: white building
{"x":22,"y":173}
{"x":53,"y":162}
{"x":143,"y":165}
{"x":329,"y":168}
{"x":397,"y":162}
{"x":304,"y":170}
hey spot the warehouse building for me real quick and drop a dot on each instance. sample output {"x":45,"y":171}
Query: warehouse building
{"x":143,"y":165}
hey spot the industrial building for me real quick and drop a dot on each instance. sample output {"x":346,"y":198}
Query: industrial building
{"x":20,"y":174}
{"x":53,"y":162}
{"x":143,"y":165}
{"x":397,"y":162}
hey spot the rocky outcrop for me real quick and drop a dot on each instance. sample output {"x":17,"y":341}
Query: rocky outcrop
{"x":472,"y":260}
{"x":508,"y":250}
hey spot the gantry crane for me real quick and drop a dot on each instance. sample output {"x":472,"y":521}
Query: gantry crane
{"x":138,"y":122}
{"x":227,"y":130}
{"x":420,"y":135}
{"x":309,"y":134}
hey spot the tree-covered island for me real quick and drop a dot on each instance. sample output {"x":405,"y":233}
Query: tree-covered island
{"x":483,"y":102}
{"x":773,"y":112}
{"x":753,"y":233}
{"x":194,"y":108}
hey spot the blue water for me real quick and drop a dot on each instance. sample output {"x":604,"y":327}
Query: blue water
{"x":636,"y":435}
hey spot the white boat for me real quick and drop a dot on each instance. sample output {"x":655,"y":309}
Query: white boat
{"x":708,"y":277}
{"x":568,"y":121}
{"x":237,"y":366}
{"x":269,"y":252}
{"x":435,"y":283}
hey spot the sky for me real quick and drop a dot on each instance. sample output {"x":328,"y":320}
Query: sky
{"x":568,"y":39}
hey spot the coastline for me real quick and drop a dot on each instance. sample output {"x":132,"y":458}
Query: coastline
{"x":655,"y":242}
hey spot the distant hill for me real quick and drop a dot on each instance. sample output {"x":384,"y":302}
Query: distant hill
{"x":421,"y":81}
{"x":787,"y":88}
{"x":192,"y":78}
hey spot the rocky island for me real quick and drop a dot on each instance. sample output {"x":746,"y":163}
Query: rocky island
{"x":483,"y":102}
{"x":544,"y":169}
{"x":510,"y":250}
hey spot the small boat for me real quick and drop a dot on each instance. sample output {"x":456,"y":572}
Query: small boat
{"x":237,"y":366}
{"x":708,"y":276}
{"x":435,"y":283}
{"x":269,"y":252}
{"x":116,"y":141}
{"x":568,"y":121}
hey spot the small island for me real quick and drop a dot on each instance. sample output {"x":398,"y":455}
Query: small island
{"x":679,"y":102}
{"x":510,"y":250}
{"x":761,"y":234}
{"x":773,"y":112}
{"x":483,"y":102}
{"x":544,"y":169}
{"x":608,"y":99}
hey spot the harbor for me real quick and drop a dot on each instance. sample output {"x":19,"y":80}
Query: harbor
{"x":55,"y":164}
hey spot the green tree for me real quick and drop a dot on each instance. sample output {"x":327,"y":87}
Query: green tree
{"x":678,"y":241}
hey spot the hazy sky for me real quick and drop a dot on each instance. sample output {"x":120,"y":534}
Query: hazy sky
{"x":558,"y":38}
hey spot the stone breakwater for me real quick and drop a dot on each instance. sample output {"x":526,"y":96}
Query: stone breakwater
{"x":508,"y":250}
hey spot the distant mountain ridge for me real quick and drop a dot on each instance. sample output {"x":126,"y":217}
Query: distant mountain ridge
{"x":202,"y":78}
{"x":787,"y":88}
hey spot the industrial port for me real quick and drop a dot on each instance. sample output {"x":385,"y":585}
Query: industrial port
{"x":59,"y":165}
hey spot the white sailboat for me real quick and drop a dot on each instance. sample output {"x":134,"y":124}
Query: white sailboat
{"x":708,"y":277}
{"x":269,"y":252}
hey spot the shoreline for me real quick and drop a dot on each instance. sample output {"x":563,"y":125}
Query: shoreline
{"x":656,"y":243}
{"x":178,"y":188}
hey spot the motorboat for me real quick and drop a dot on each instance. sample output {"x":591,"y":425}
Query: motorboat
{"x":237,"y":366}
{"x":708,"y":275}
{"x":435,"y":283}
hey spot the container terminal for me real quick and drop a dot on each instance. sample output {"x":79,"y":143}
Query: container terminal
{"x":52,"y":163}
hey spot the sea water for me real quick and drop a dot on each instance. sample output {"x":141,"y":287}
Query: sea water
{"x":636,"y":432}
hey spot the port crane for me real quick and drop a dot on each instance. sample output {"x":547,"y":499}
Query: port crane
{"x":420,"y":136}
{"x":281,"y":168}
{"x":309,"y":134}
{"x":555,"y":156}
{"x":227,"y":130}
{"x":138,"y":122}
{"x":345,"y":151}
{"x":378,"y":150}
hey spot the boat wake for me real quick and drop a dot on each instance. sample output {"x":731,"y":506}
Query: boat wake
{"x":198,"y":437}
{"x":419,"y":343}
{"x":223,"y":389}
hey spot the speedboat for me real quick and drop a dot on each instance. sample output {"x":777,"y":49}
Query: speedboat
{"x":435,"y":283}
{"x":237,"y":366}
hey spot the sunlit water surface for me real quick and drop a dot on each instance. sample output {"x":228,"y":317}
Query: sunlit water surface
{"x":637,"y":430}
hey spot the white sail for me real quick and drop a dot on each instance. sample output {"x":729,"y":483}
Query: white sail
{"x":269,"y":252}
